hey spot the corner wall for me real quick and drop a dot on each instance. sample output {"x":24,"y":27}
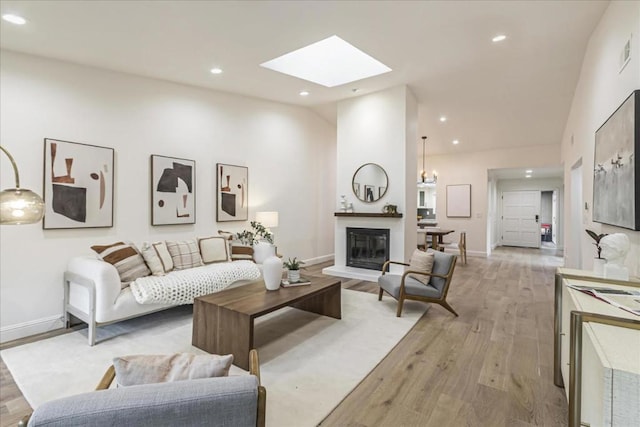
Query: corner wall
{"x":601,"y":89}
{"x":290,"y":153}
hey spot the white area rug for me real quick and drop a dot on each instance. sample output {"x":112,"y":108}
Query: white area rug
{"x":308,"y":363}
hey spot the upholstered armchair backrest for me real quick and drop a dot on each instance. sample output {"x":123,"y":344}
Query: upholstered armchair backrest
{"x":441,"y":265}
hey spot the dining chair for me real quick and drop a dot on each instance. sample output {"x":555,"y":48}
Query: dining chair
{"x":461,"y":246}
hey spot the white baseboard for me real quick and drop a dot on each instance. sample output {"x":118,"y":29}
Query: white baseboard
{"x":318,"y":260}
{"x":32,"y":327}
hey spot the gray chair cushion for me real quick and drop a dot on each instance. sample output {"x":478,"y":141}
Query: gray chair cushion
{"x":391,"y":284}
{"x":441,"y":265}
{"x":225,"y":401}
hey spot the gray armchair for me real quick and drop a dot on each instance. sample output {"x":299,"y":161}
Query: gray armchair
{"x":221,"y":401}
{"x":404,"y":287}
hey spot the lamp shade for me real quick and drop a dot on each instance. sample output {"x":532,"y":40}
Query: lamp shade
{"x":20,"y":206}
{"x":267,"y":219}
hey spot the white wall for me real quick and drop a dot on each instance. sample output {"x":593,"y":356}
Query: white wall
{"x":599,"y":92}
{"x":290,"y":153}
{"x":472,"y":168}
{"x":378,"y":128}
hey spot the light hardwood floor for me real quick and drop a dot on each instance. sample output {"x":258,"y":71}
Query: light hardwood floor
{"x":492,"y":366}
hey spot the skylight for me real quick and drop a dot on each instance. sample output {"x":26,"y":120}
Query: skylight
{"x":329,"y":62}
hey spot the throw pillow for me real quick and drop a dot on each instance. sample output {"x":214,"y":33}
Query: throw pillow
{"x":164,"y":255}
{"x":213,"y":249}
{"x":184,"y":254}
{"x":421,"y":261}
{"x":126,"y":259}
{"x":149,"y":369}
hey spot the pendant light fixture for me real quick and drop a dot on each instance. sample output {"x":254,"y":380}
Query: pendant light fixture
{"x":19,"y":205}
{"x":424,"y":179}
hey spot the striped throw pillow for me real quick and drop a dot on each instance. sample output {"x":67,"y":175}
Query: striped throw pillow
{"x":126,"y":259}
{"x":185,"y":254}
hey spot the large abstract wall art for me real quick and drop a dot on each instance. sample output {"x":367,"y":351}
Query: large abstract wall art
{"x":173,"y":191}
{"x":232,"y":183}
{"x":616,"y":172}
{"x":78,"y":185}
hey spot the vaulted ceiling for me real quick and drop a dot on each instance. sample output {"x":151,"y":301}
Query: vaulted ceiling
{"x":513,"y":93}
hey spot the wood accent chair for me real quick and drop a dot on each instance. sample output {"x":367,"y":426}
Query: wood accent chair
{"x":237,"y":400}
{"x":404,"y":287}
{"x":461,"y":246}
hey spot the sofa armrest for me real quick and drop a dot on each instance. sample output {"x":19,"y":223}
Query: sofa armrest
{"x":104,"y":276}
{"x":221,"y":401}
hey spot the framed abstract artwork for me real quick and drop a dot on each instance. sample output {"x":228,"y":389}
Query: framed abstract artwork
{"x":78,"y":185}
{"x":232,"y":193}
{"x":616,"y":172}
{"x":173,"y":190}
{"x":459,"y":201}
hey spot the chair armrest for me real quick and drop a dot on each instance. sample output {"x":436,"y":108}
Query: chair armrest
{"x":423,"y":274}
{"x":107,"y":378}
{"x":386,"y":265}
{"x":254,"y":369}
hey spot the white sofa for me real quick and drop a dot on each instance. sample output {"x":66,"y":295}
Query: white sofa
{"x":93,"y":294}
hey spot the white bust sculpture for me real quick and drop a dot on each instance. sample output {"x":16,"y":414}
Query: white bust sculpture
{"x":614,"y":250}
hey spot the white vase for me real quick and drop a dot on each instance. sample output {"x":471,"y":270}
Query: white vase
{"x":263,"y":250}
{"x":598,"y":266}
{"x":272,"y":272}
{"x":293,"y":275}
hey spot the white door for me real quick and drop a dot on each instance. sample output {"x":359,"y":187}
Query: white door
{"x":554,"y":216}
{"x":520,"y":218}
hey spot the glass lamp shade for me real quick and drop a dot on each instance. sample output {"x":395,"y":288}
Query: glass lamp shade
{"x":20,"y":206}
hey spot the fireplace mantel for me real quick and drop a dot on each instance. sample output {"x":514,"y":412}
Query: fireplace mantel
{"x":367,"y":215}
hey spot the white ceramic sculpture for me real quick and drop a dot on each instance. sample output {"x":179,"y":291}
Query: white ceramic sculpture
{"x":272,"y":272}
{"x":614,"y":249}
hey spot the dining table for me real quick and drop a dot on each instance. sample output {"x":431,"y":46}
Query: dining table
{"x":436,"y":234}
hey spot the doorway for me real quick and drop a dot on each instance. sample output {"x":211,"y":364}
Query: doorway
{"x":521,"y":218}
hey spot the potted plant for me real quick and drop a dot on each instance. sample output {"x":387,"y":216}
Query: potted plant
{"x":598,"y":262}
{"x":293,"y":269}
{"x":261,"y":239}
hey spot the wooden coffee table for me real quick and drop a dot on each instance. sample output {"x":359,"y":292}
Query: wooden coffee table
{"x":223,"y":321}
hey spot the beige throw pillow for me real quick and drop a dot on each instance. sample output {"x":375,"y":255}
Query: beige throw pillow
{"x":149,"y":369}
{"x":164,"y":256}
{"x":151,"y":258}
{"x":126,"y":259}
{"x":421,"y":261}
{"x":184,"y":254}
{"x":213,"y":249}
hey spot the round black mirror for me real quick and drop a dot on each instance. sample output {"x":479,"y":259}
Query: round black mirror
{"x":370,"y":183}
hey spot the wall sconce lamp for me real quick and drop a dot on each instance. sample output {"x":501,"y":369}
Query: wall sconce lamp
{"x":19,"y":205}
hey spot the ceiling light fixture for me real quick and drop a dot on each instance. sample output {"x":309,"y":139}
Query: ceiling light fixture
{"x":527,"y":176}
{"x":216,"y":71}
{"x":304,"y":93}
{"x":424,"y":179}
{"x":329,"y":62}
{"x":14,"y":19}
{"x":498,"y":38}
{"x":455,"y":142}
{"x":528,"y":171}
{"x":443,"y":119}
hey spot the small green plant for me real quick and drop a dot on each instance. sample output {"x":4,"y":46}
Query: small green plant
{"x":597,"y":237}
{"x":258,"y":232}
{"x":293,"y":264}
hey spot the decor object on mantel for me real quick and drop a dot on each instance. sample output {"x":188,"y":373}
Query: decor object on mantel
{"x":598,"y":262}
{"x":390,"y":209}
{"x":19,"y":205}
{"x":368,"y":214}
{"x":614,"y":249}
{"x":293,"y":267}
{"x":616,"y":183}
{"x":424,"y":178}
{"x":272,"y":272}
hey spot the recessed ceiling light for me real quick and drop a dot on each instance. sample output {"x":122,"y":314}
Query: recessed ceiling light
{"x":527,"y":176}
{"x":216,"y":71}
{"x":528,"y":171}
{"x":329,"y":62}
{"x":304,"y":93}
{"x":498,"y":38}
{"x":14,"y":19}
{"x":456,"y":142}
{"x":443,"y":119}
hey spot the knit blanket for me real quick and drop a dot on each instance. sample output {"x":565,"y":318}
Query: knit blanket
{"x":182,"y":286}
